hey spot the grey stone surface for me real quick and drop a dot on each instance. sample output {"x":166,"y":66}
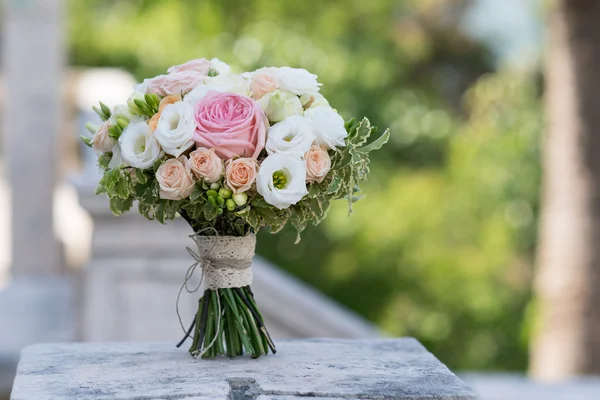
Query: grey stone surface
{"x":519,"y":387}
{"x":32,"y":310}
{"x":312,"y":369}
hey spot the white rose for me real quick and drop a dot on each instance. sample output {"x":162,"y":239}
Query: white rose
{"x":139,"y":147}
{"x":328,"y":126}
{"x":219,"y":66}
{"x":293,"y":136}
{"x":101,"y":142}
{"x":281,"y":180}
{"x":277,"y":105}
{"x":297,"y":81}
{"x":175,"y":128}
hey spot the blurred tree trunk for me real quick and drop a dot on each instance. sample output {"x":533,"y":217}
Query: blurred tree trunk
{"x":568,"y":271}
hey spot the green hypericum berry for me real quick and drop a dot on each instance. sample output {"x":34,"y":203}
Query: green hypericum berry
{"x":280,"y":181}
{"x":225,"y":193}
{"x":230,"y":204}
{"x":212,"y":200}
{"x":220,"y":201}
{"x":212,"y":193}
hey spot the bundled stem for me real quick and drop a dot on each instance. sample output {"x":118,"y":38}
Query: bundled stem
{"x":228,"y":322}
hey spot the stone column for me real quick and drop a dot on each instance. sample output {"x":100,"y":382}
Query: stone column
{"x":33,"y":55}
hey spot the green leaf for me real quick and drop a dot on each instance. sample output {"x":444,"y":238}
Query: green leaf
{"x":104,"y":160}
{"x":196,"y":194}
{"x":141,"y":176}
{"x":118,"y":205}
{"x":377,"y":144}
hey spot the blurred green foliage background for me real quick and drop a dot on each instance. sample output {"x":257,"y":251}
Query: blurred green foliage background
{"x":442,"y":246}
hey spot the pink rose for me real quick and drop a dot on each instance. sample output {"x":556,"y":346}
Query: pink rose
{"x":263,"y":81}
{"x":206,"y":164}
{"x":240,"y":174}
{"x":101,"y":142}
{"x":181,"y":82}
{"x":200,"y":65}
{"x":318,"y":164}
{"x":232,"y":124}
{"x":152,"y":85}
{"x":175,"y":179}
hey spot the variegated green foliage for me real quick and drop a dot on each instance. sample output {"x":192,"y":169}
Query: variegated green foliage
{"x":349,"y":166}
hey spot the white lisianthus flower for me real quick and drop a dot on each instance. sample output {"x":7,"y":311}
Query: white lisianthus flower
{"x":278,"y":105}
{"x":139,"y":147}
{"x":312,"y":100}
{"x":281,"y":180}
{"x":328,"y":126}
{"x":116,"y":160}
{"x":293,"y":137}
{"x":219,"y":66}
{"x":175,"y":128}
{"x":297,"y":81}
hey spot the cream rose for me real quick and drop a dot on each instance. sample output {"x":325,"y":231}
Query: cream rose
{"x":101,"y":142}
{"x":175,"y":179}
{"x":206,"y":164}
{"x":318,"y":164}
{"x":240,"y":174}
{"x":263,"y":81}
{"x":278,"y":105}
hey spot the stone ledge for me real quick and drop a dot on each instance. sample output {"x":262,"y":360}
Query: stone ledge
{"x":310,"y":369}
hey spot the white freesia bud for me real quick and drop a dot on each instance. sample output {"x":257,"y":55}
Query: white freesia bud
{"x":175,"y":128}
{"x":139,"y":147}
{"x":297,"y":81}
{"x":278,"y":105}
{"x":120,"y":111}
{"x":130,"y":102}
{"x":293,"y":136}
{"x":328,"y":126}
{"x":282,"y":180}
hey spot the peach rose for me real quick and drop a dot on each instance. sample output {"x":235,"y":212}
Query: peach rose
{"x":240,"y":174}
{"x":318,"y":164}
{"x":206,"y":164}
{"x":175,"y":179}
{"x":101,"y":142}
{"x":263,"y":81}
{"x":170,"y":99}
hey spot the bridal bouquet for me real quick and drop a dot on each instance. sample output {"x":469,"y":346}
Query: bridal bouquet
{"x":231,"y":154}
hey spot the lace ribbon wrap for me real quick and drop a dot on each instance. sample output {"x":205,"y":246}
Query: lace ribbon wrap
{"x":226,"y":260}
